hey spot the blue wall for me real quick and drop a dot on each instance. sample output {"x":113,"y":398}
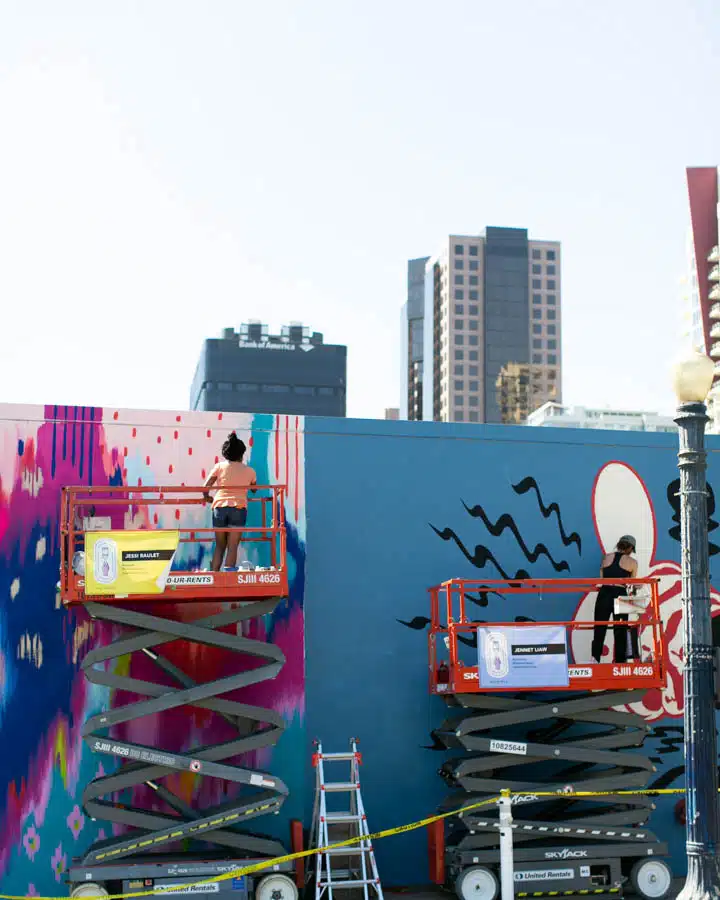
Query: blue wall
{"x":375,"y":493}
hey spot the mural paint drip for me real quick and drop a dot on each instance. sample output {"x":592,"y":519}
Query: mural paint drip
{"x":45,"y":764}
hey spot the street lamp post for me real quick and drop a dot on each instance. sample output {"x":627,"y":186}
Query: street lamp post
{"x":693,"y":380}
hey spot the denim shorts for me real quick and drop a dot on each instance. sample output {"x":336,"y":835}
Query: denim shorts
{"x":229,"y":516}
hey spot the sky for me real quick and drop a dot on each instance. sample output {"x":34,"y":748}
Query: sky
{"x":169,"y":168}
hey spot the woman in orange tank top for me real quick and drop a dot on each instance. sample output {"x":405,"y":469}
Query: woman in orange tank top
{"x":232,"y":480}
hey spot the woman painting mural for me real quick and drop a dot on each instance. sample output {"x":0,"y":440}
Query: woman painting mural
{"x":232,"y":480}
{"x":619,"y":564}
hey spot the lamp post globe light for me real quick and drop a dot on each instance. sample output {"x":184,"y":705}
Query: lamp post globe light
{"x":693,"y":378}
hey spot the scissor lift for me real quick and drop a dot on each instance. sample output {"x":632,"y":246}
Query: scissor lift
{"x":539,"y":739}
{"x":161,"y":838}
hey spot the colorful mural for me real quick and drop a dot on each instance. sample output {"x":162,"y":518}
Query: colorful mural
{"x":392,"y":508}
{"x":44,"y":699}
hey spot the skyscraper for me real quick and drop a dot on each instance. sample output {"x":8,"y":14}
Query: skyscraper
{"x":482,"y":329}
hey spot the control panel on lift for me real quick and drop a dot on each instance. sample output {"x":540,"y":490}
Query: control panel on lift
{"x":467,"y":656}
{"x":155,"y":543}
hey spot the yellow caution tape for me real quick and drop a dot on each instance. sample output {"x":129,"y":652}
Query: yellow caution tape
{"x":375,"y":836}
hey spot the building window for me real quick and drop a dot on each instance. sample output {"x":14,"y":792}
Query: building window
{"x":551,"y":270}
{"x":472,"y":370}
{"x":473,"y":250}
{"x":459,"y":279}
{"x":537,"y":359}
{"x":459,"y":263}
{"x":473,"y":385}
{"x":282,"y":388}
{"x":246,"y":386}
{"x":459,"y":249}
{"x":537,"y":269}
{"x":459,"y":386}
{"x":536,"y":254}
{"x":304,"y":389}
{"x":473,"y":295}
{"x":551,"y":314}
{"x":459,"y":339}
{"x":459,"y":370}
{"x":537,"y":329}
{"x":473,"y":417}
{"x":459,"y":415}
{"x":537,"y":284}
{"x":474,"y":401}
{"x":472,"y":355}
{"x":551,"y":284}
{"x":537,"y":298}
{"x":473,"y":340}
{"x":537,"y":314}
{"x":472,"y":310}
{"x":552,"y":344}
{"x":551,"y":329}
{"x":473,"y":324}
{"x":459,"y":294}
{"x":473,"y":266}
{"x":326,"y":391}
{"x":473,"y":279}
{"x":550,"y":254}
{"x":459,"y":325}
{"x":224,"y":386}
{"x":459,"y":309}
{"x":551,"y":299}
{"x":459,"y":354}
{"x":552,"y":375}
{"x":552,"y":359}
{"x":537,"y":343}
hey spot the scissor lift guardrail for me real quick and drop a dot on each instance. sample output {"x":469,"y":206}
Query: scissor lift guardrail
{"x":156,"y":837}
{"x":579,"y":737}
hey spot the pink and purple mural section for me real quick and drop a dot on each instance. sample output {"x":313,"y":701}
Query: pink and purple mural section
{"x":44,"y":698}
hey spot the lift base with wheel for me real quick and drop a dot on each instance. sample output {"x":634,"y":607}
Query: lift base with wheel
{"x":544,"y":742}
{"x":150,"y":801}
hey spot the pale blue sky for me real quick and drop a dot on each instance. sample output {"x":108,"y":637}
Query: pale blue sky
{"x":170,"y":167}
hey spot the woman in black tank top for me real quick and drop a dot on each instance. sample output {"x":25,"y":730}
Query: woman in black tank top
{"x":626,"y":637}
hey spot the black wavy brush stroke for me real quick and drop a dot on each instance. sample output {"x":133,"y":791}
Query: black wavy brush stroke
{"x":671,"y":739}
{"x":480,"y":557}
{"x":419,"y":623}
{"x":506,"y":522}
{"x":667,"y":778}
{"x":673,"y":498}
{"x":529,"y":484}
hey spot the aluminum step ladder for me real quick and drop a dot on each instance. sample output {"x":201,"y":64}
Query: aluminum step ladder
{"x":342,"y":868}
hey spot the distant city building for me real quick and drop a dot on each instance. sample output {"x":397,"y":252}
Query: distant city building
{"x":556,"y":415}
{"x":251,"y":370}
{"x":702,"y":296}
{"x":481,"y":329}
{"x":393,"y":413}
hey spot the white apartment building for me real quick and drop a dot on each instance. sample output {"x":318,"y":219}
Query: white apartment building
{"x":555,"y":415}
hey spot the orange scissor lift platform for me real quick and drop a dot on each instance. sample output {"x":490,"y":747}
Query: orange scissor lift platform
{"x":161,"y":837}
{"x":545,"y":741}
{"x":450,"y":623}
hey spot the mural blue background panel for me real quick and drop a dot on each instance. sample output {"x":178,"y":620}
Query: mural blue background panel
{"x":394,"y":508}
